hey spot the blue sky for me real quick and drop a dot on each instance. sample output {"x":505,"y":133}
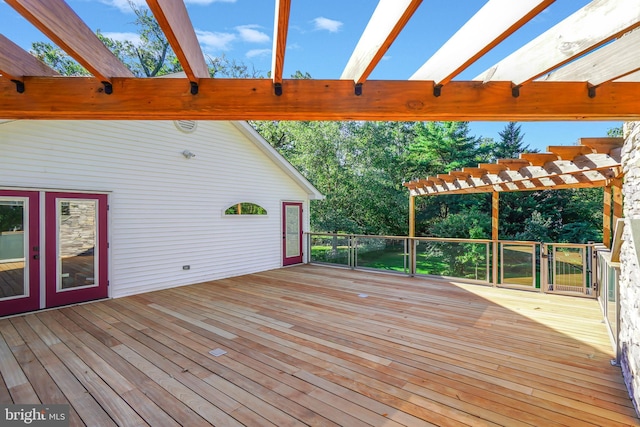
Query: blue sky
{"x":322,"y":35}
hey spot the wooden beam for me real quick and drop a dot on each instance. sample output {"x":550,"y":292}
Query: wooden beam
{"x":602,"y":145}
{"x":492,"y":167}
{"x":568,"y":152}
{"x":606,"y":217}
{"x":633,"y":77}
{"x":61,"y":24}
{"x":513,"y":164}
{"x":493,"y":23}
{"x":15,"y":62}
{"x":388,"y":19}
{"x":588,"y":28}
{"x":446,"y":177}
{"x":512,"y":187}
{"x":595,"y":161}
{"x":495,"y":209}
{"x":538,"y":159}
{"x":475,"y":172}
{"x":616,"y":187}
{"x":175,"y":23}
{"x":306,"y":99}
{"x":606,"y":64}
{"x":412,"y":233}
{"x":580,"y":164}
{"x":280,"y":32}
{"x":412,"y":216}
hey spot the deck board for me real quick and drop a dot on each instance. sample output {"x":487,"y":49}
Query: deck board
{"x":303,"y":348}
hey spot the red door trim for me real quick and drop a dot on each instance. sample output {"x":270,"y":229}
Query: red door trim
{"x":295,"y":259}
{"x":32,"y":301}
{"x":53,"y":297}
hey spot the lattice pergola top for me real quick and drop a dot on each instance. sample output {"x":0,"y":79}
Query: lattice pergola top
{"x":584,"y":68}
{"x":592,"y":163}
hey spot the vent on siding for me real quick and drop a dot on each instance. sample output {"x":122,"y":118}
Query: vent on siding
{"x":186,"y":126}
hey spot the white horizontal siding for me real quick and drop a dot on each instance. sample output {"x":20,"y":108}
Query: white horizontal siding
{"x":165,"y":211}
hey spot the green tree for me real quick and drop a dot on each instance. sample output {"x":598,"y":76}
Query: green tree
{"x":151,"y":56}
{"x":57,"y":59}
{"x":321,"y":151}
{"x":537,"y":228}
{"x":441,"y":147}
{"x":468,"y":224}
{"x":615,"y":132}
{"x":510,"y":144}
{"x":357,"y":165}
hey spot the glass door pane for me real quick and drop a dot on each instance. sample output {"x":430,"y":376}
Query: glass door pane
{"x":293,"y":232}
{"x":518,"y":265}
{"x":77,"y":241}
{"x":76,"y":248}
{"x":13,"y":242}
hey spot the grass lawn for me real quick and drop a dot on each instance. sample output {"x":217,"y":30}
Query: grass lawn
{"x":392,"y":258}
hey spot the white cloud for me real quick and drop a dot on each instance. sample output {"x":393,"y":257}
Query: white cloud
{"x":327,"y":24}
{"x":124,"y":6}
{"x":249,"y":33}
{"x":206,"y":2}
{"x":216,"y":41}
{"x":123,"y":37}
{"x":258,"y":52}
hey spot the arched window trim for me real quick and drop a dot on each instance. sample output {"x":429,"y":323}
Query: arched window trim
{"x":245,"y":215}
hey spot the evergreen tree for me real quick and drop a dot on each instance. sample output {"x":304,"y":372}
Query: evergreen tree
{"x":441,"y":147}
{"x":511,"y":143}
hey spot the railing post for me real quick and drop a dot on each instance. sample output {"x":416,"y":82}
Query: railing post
{"x":412,"y":255}
{"x":544,"y":268}
{"x":353,"y":243}
{"x":495,"y":262}
{"x":593,"y":268}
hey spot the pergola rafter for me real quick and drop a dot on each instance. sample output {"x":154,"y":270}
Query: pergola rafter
{"x":476,"y":38}
{"x":281,"y":29}
{"x":61,"y":24}
{"x":16,"y":63}
{"x":566,"y":94}
{"x":388,"y":19}
{"x":595,"y":162}
{"x":587,"y":29}
{"x":176,"y":25}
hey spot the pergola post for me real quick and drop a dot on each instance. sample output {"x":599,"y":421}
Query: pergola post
{"x":606,"y":217}
{"x":412,"y":233}
{"x":616,"y":186}
{"x":495,"y":210}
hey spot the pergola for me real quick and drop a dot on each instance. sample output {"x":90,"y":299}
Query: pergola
{"x":584,"y":68}
{"x":595,"y":162}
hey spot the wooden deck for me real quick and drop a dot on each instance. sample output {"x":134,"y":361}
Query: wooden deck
{"x":304,"y":347}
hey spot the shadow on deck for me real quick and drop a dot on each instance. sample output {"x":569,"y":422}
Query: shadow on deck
{"x":314,"y":345}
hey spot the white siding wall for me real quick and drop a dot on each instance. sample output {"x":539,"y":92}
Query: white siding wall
{"x":165,"y":211}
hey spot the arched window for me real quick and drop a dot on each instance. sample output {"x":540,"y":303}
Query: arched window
{"x":245,"y":208}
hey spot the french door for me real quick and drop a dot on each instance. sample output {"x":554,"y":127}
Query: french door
{"x":19,"y":252}
{"x":72,"y":255}
{"x":76,"y":248}
{"x":291,"y":233}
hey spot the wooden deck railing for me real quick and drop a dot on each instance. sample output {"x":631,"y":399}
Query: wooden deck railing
{"x":545,"y":267}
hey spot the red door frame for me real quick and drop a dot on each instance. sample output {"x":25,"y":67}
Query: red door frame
{"x":32,"y":215}
{"x":295,"y":259}
{"x":54,"y":297}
